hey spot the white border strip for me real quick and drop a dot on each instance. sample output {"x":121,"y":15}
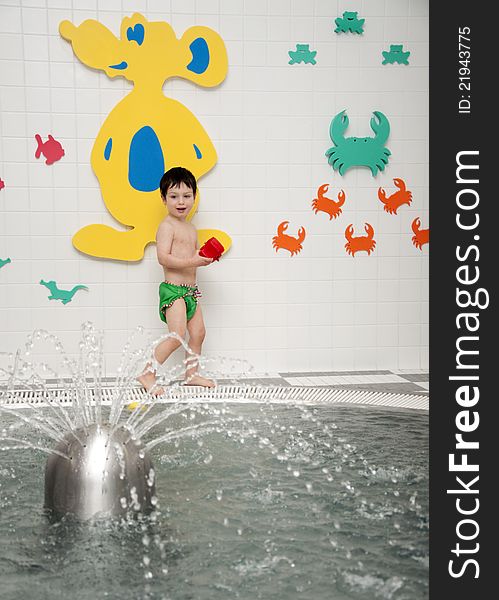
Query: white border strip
{"x":238,"y":394}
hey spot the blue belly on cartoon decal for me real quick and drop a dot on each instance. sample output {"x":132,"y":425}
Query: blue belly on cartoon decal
{"x":108,"y":148}
{"x":146,"y":165}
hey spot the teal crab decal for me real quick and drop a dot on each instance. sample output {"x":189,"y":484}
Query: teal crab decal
{"x":302,"y":54}
{"x":349,"y":22}
{"x":359,"y":152}
{"x":395,"y":55}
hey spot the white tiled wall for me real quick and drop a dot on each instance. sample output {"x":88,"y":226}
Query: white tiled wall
{"x":269,"y":121}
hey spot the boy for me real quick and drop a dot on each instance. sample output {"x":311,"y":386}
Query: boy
{"x":177,"y":250}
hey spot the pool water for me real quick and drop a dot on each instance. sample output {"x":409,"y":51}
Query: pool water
{"x":326,"y":502}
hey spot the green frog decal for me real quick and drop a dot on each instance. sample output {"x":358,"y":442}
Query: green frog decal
{"x":349,"y":22}
{"x":395,"y":55}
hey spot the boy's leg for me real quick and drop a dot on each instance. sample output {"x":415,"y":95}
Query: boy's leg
{"x":197,"y":332}
{"x":176,"y":320}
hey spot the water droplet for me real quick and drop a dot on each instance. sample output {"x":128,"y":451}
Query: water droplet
{"x":150,"y":478}
{"x":219,"y":494}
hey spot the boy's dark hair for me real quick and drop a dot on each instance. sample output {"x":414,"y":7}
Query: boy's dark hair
{"x":174,"y":177}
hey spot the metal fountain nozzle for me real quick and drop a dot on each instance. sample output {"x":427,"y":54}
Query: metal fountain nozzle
{"x":107,"y":473}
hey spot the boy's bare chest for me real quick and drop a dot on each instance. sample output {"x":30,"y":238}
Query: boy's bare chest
{"x":184,"y":240}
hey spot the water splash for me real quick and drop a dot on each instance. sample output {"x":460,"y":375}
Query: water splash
{"x":82,"y":420}
{"x":186,"y":435}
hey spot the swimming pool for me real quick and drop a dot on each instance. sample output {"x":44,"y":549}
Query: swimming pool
{"x":289,"y":502}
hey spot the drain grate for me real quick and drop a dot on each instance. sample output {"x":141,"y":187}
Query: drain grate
{"x":230,"y":393}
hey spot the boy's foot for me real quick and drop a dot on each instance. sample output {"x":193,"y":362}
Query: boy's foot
{"x":148,"y":381}
{"x":198,"y":380}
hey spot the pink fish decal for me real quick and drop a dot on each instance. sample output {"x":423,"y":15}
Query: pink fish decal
{"x":51,"y":149}
{"x":2,"y":183}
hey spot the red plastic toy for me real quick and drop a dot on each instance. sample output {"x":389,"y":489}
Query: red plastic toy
{"x":212,"y":248}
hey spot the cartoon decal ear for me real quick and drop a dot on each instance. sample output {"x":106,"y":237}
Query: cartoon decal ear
{"x":134,"y":29}
{"x":205,"y":56}
{"x":136,"y":33}
{"x":95,"y":46}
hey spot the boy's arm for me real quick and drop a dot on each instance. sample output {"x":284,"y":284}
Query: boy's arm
{"x":164,"y":242}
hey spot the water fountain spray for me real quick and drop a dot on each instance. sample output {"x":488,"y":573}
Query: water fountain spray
{"x":101,"y":468}
{"x":97,"y":466}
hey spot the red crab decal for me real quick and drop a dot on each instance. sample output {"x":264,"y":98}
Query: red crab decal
{"x":364,"y":243}
{"x":288,"y":242}
{"x":421,"y":236}
{"x":2,"y":183}
{"x":51,"y":149}
{"x":323,"y":204}
{"x":395,"y":201}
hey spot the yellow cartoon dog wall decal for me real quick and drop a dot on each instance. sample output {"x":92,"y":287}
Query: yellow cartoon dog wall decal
{"x":146,"y":133}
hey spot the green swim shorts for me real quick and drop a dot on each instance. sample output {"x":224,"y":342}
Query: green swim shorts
{"x":169,"y":292}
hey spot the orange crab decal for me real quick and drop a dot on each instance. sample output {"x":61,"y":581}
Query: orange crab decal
{"x":421,"y":236}
{"x":288,"y":242}
{"x":323,"y":204}
{"x":366,"y":243}
{"x":395,"y":201}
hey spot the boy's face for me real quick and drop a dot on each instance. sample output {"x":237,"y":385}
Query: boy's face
{"x":179,"y":201}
